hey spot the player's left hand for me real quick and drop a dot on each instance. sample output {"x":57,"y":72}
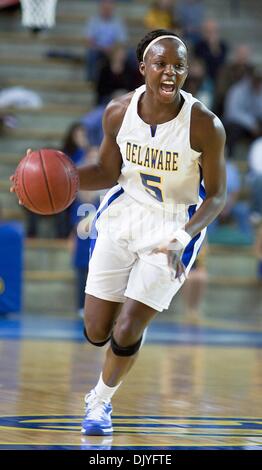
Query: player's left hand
{"x":174,"y":260}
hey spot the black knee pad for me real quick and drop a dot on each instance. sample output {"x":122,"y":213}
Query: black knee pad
{"x":100,"y":344}
{"x":127,"y":350}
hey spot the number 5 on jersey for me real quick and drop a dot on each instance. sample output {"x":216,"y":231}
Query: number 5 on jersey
{"x":152,"y":185}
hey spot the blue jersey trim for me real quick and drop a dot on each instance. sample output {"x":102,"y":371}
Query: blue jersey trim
{"x":202,"y":191}
{"x":153,"y":130}
{"x":188,"y":253}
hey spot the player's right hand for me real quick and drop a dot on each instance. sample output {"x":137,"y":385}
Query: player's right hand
{"x":12,"y":179}
{"x":12,"y":187}
{"x":174,"y":260}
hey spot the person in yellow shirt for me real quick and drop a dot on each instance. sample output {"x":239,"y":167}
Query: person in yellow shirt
{"x":160,"y":15}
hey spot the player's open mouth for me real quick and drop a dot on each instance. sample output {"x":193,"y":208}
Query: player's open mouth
{"x":168,"y":87}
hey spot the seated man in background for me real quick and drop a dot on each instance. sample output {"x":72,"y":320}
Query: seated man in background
{"x":243,"y":111}
{"x":102,"y":33}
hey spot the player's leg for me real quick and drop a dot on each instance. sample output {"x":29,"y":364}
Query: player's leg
{"x":126,"y":340}
{"x":122,"y":352}
{"x":108,"y":276}
{"x":99,"y":319}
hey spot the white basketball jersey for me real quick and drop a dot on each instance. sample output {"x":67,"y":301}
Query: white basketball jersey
{"x":159,"y":166}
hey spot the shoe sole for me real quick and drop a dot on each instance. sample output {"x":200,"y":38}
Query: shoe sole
{"x":97,"y":432}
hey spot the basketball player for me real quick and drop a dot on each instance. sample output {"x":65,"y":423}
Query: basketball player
{"x":162,"y":155}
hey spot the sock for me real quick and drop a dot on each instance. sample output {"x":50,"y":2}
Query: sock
{"x":104,"y":392}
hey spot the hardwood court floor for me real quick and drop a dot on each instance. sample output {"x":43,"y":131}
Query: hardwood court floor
{"x":193,"y":387}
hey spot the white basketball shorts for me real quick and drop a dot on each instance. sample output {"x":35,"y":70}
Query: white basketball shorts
{"x":122,"y":264}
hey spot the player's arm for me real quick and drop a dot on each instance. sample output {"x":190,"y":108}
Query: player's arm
{"x":105,"y":172}
{"x":208,"y":137}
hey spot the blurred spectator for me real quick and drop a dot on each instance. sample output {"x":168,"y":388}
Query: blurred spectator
{"x":190,"y":15}
{"x":255,"y":177}
{"x":195,"y":287}
{"x":102,"y":33}
{"x":160,"y":15}
{"x":243,"y":110}
{"x":198,"y":84}
{"x":75,"y":143}
{"x":235,"y":209}
{"x":211,"y":49}
{"x":92,"y":121}
{"x":236,"y":69}
{"x":116,"y":74}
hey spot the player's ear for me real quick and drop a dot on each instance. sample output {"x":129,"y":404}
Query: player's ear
{"x":142,"y":68}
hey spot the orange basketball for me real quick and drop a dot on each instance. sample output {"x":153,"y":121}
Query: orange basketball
{"x":46,"y":181}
